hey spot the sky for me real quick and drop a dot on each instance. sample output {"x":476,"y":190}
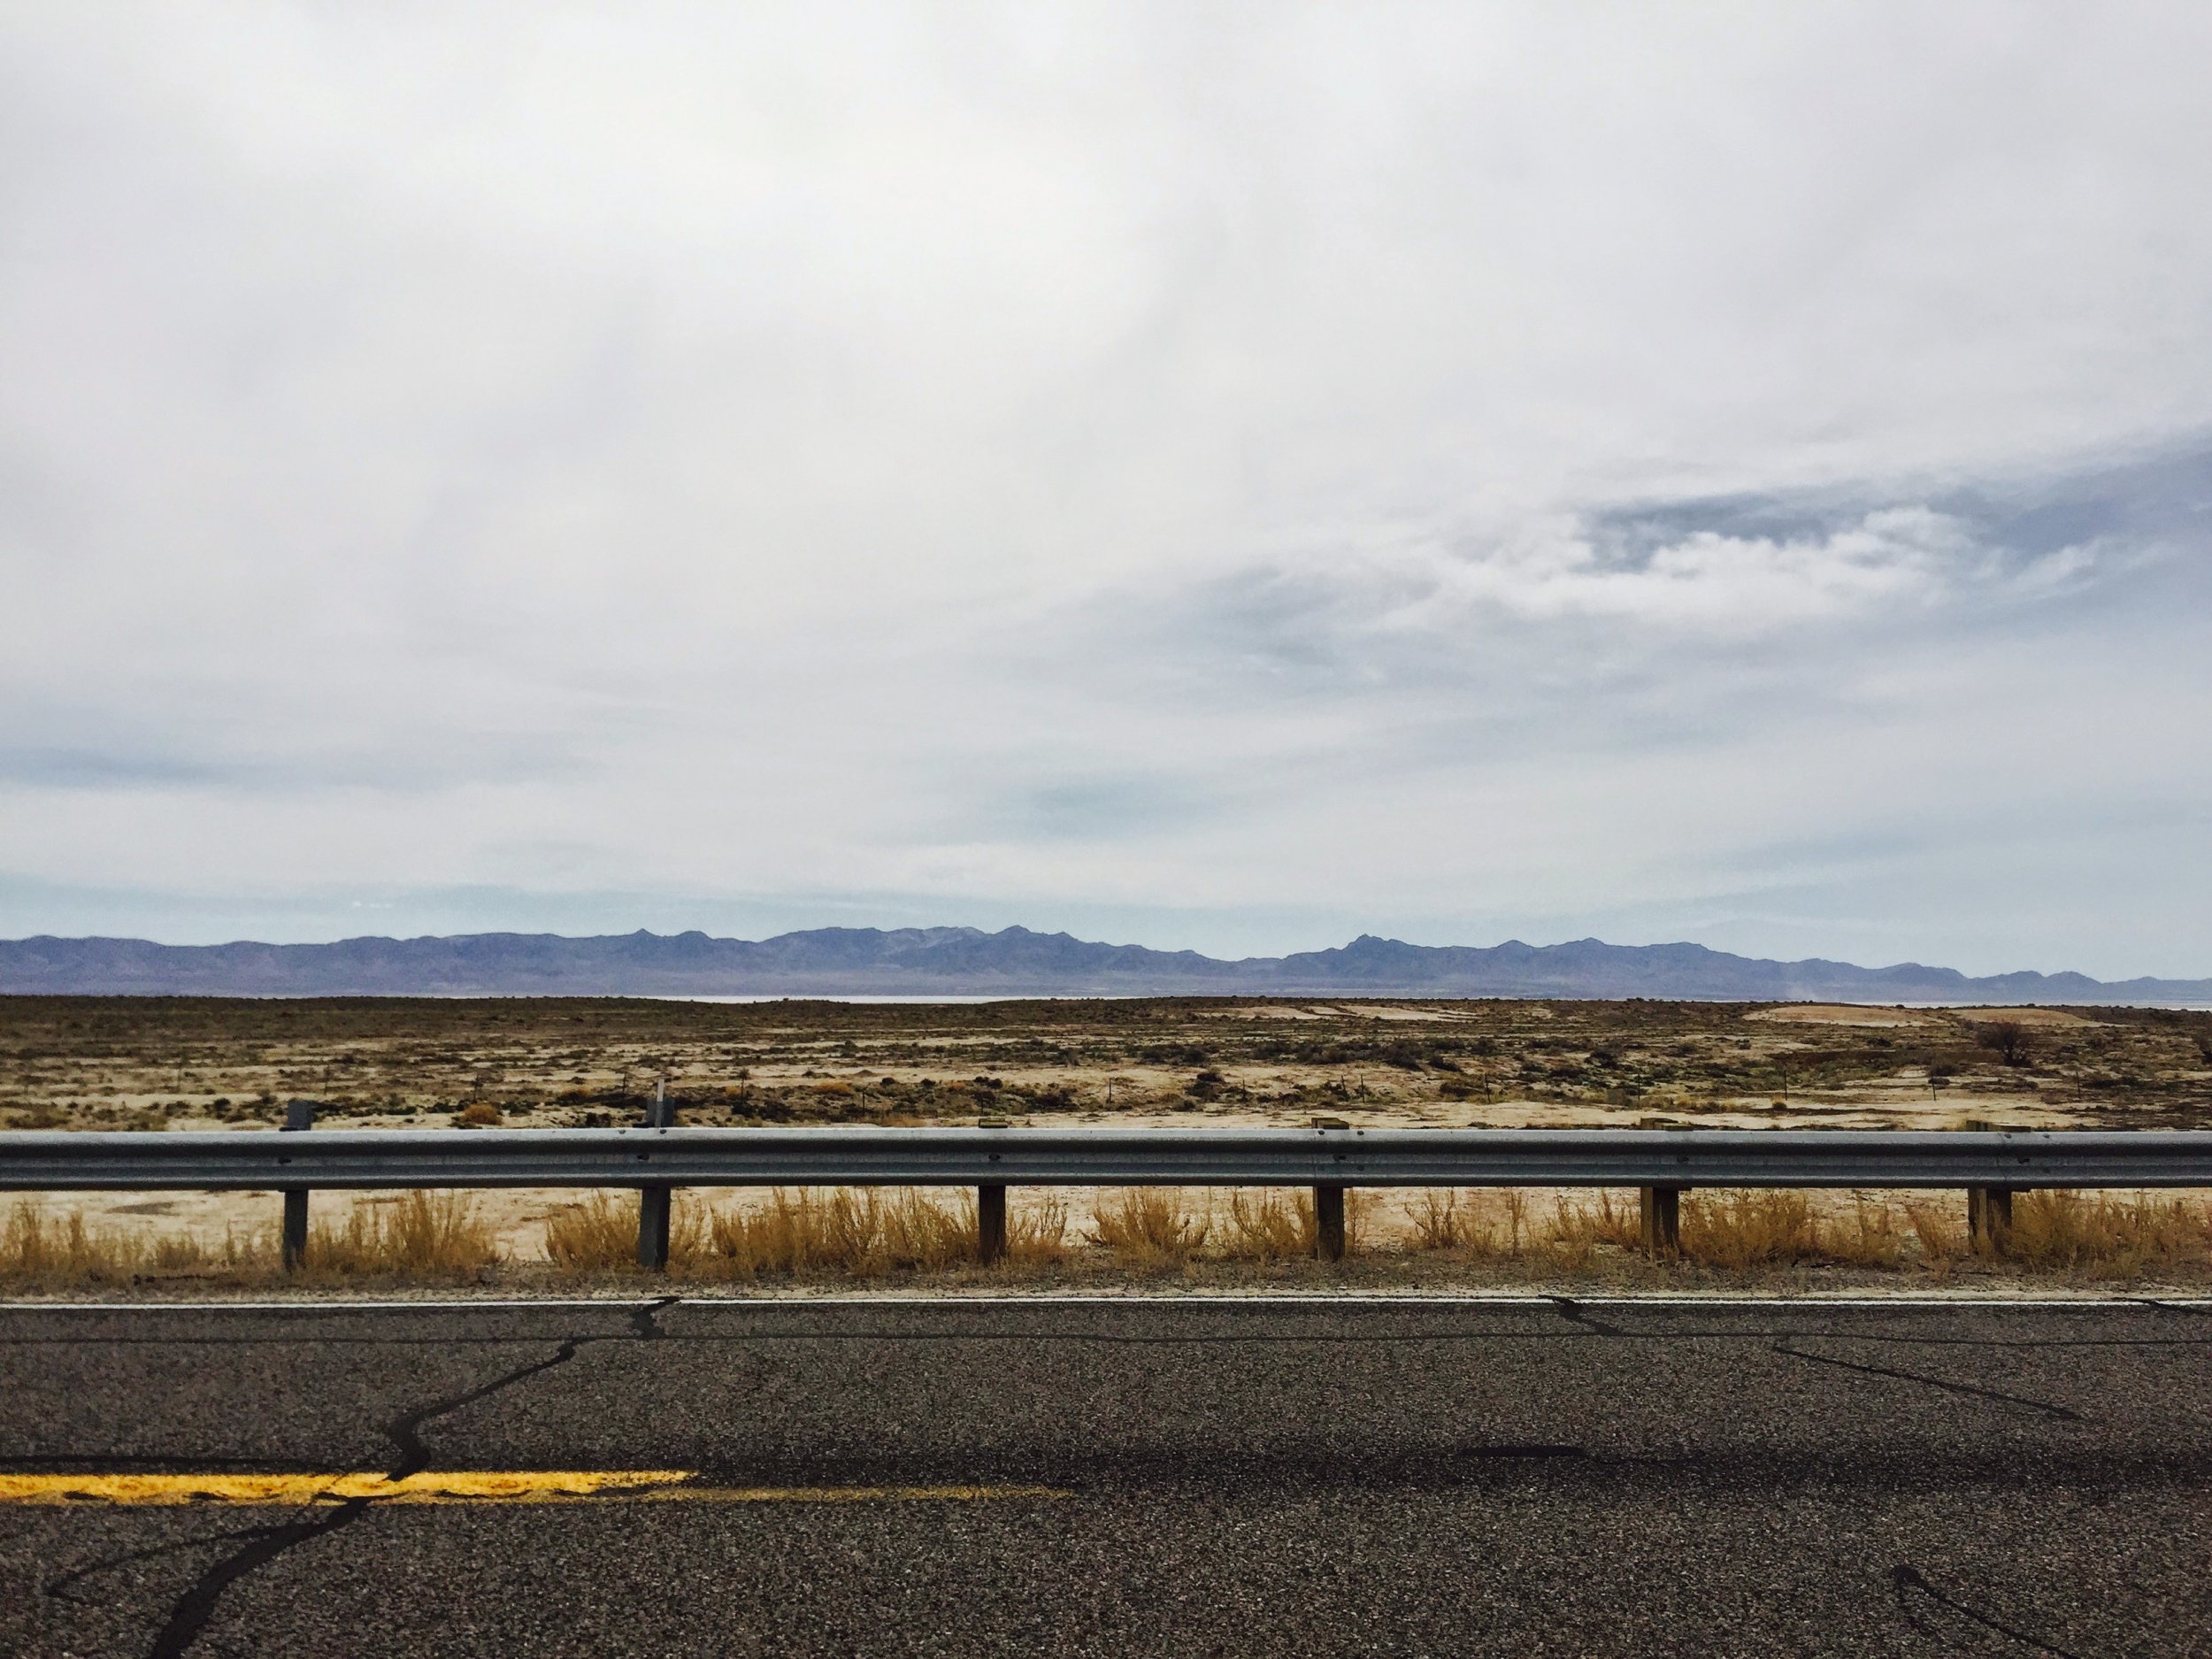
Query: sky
{"x":1225,"y":476}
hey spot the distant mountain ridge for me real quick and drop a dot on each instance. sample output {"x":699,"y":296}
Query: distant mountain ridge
{"x":1015,"y":961}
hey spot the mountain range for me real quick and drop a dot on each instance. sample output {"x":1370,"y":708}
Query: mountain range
{"x":1015,"y":961}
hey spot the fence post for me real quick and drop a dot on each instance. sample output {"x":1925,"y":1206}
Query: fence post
{"x":1662,"y":1207}
{"x":655,"y":1199}
{"x":298,"y":1115}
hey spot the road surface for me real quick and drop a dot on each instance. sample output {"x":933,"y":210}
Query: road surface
{"x":1250,"y":1478}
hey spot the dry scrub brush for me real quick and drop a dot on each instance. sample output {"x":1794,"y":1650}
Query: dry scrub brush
{"x":853,"y":1233}
{"x":2099,"y":1236}
{"x":864,"y":1234}
{"x":1485,"y":1225}
{"x":40,"y":1249}
{"x":599,"y":1234}
{"x":1150,"y":1226}
{"x":421,"y":1236}
{"x":867,"y":1234}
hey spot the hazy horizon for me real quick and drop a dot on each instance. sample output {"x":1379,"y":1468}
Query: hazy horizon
{"x":1226,"y":480}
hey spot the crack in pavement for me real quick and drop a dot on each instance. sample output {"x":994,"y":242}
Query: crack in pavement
{"x":2065,"y":1412}
{"x":191,"y":1611}
{"x":1905,"y":1577}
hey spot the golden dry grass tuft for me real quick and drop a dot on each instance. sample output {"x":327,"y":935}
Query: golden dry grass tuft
{"x":1271,"y":1225}
{"x":2099,"y":1236}
{"x":1871,"y":1234}
{"x":1578,"y":1227}
{"x":1150,"y":1226}
{"x":1475,"y":1224}
{"x":1939,"y":1233}
{"x":419,"y":1236}
{"x":599,"y":1234}
{"x":861,"y":1233}
{"x":40,"y":1249}
{"x":1737,"y":1230}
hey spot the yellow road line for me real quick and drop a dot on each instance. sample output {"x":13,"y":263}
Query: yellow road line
{"x":468,"y":1485}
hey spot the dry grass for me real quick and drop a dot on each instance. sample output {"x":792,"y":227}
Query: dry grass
{"x":2098,"y":1236}
{"x":1871,"y":1235}
{"x":1271,"y":1225}
{"x":1475,"y":1224}
{"x":863,"y":1232}
{"x":1939,"y":1233}
{"x":599,"y":1234}
{"x":421,"y":1236}
{"x":860,"y":1232}
{"x":40,"y":1249}
{"x":1733,"y":1232}
{"x":1739,"y":1231}
{"x":1150,"y":1226}
{"x":1578,"y":1228}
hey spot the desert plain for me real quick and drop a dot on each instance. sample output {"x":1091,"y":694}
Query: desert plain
{"x":192,"y":1065}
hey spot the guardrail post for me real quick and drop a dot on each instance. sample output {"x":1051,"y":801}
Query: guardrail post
{"x":1988,"y":1208}
{"x":990,"y":1222}
{"x":1328,"y":1223}
{"x":655,"y":1199}
{"x":1989,"y":1217}
{"x":298,"y":1115}
{"x":1662,"y":1207}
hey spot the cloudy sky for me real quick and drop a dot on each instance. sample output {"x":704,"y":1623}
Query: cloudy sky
{"x":1217,"y":476}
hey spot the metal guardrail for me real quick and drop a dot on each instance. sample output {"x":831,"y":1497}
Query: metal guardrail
{"x":859,"y":1156}
{"x":1662,"y":1163}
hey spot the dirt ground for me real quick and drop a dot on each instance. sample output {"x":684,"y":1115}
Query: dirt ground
{"x":217,"y":1066}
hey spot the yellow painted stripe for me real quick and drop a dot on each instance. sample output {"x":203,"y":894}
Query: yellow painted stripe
{"x":466,"y":1486}
{"x":431,"y":1486}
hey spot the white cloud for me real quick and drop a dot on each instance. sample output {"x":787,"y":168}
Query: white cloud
{"x":1707,"y":581}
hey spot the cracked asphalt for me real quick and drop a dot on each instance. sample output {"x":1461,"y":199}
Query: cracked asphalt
{"x":1244,"y":1478}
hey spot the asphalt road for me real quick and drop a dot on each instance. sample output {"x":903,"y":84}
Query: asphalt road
{"x":1277,"y":1479}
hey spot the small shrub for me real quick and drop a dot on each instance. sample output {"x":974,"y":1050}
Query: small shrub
{"x":1270,"y":1226}
{"x":479,"y":1115}
{"x":1754,"y":1229}
{"x":2103,"y":1237}
{"x":422,"y":1235}
{"x":1940,"y":1234}
{"x":1439,"y":1223}
{"x":599,"y":1235}
{"x":1867,"y":1236}
{"x":2009,"y":1037}
{"x":1151,"y":1225}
